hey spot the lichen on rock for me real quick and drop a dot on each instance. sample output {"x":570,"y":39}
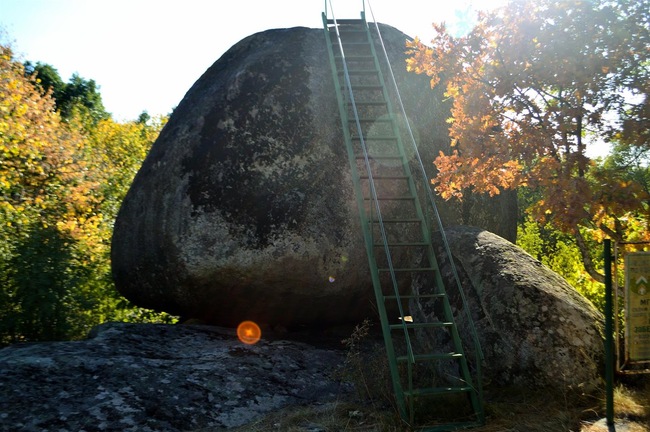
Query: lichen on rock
{"x":534,"y":328}
{"x":244,"y":207}
{"x":150,"y":377}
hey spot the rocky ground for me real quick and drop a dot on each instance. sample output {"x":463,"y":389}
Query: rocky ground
{"x":145,"y":377}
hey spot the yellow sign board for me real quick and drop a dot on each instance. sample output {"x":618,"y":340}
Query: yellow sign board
{"x":637,"y":306}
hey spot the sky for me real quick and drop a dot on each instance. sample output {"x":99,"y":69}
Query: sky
{"x":146,"y":54}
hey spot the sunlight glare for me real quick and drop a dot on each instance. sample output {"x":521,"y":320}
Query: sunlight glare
{"x":249,"y":333}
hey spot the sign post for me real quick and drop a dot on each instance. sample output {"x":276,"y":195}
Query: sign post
{"x":609,"y":335}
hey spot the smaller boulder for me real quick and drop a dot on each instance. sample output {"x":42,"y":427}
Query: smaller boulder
{"x":534,"y":328}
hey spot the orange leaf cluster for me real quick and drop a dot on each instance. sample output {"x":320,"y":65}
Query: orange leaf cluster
{"x":530,"y":86}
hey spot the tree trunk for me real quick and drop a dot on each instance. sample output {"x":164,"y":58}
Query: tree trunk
{"x":586,"y":258}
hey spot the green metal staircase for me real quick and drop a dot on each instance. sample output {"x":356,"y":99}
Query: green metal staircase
{"x":397,"y":231}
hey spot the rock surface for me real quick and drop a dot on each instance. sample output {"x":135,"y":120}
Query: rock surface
{"x":244,"y":208}
{"x":534,"y":328}
{"x":146,"y":377}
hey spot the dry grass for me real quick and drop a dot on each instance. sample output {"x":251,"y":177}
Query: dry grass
{"x":633,"y":402}
{"x":372,"y":409}
{"x":507,"y":410}
{"x":337,"y":416}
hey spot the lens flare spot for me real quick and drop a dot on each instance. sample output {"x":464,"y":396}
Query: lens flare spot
{"x":332,"y":279}
{"x":344,"y":259}
{"x":249,"y":333}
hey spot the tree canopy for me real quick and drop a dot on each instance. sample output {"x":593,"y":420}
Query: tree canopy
{"x":534,"y":86}
{"x":63,"y":176}
{"x":78,"y":94}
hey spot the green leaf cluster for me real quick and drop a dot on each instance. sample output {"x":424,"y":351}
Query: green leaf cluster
{"x":559,"y":252}
{"x":78,"y":94}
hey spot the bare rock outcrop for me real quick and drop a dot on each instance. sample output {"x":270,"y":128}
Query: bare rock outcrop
{"x":147,"y":377}
{"x":244,"y":207}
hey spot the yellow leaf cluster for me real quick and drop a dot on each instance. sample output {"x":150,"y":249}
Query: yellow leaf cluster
{"x":61,"y":174}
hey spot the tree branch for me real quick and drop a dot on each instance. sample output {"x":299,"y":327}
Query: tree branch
{"x":586,"y":258}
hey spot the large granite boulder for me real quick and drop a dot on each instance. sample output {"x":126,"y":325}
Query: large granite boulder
{"x":244,"y":207}
{"x":147,"y":377}
{"x":534,"y":328}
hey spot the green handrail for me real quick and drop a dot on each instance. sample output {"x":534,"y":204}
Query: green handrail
{"x":476,"y":393}
{"x":365,"y":226}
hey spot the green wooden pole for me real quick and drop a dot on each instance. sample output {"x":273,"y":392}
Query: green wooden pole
{"x":609,"y":336}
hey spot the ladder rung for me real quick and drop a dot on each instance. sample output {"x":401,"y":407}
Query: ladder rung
{"x":413,"y":269}
{"x":384,"y":177}
{"x":393,"y":157}
{"x":362,"y":102}
{"x":430,"y":357}
{"x":354,"y":57}
{"x":374,"y":120}
{"x":365,"y":87}
{"x":413,"y":220}
{"x":345,"y":21}
{"x":355,"y":42}
{"x":396,"y":198}
{"x":376,"y":138}
{"x":409,"y":325}
{"x":348,"y":30}
{"x":406,"y":244}
{"x":413,"y":296}
{"x":437,"y":391}
{"x":359,"y":72}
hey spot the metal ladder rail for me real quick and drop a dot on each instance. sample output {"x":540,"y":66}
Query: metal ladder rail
{"x":365,"y":227}
{"x":426,"y":233}
{"x":345,"y":123}
{"x":478,"y":351}
{"x":428,"y":190}
{"x":374,"y":195}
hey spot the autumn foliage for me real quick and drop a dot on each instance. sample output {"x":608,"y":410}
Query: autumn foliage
{"x":534,"y":86}
{"x":61,"y":181}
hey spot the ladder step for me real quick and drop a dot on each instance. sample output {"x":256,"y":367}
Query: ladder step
{"x":437,"y":391}
{"x":406,"y":244}
{"x":378,"y":157}
{"x":395,"y":198}
{"x":413,"y":220}
{"x":430,"y":357}
{"x":355,"y":42}
{"x":365,"y":87}
{"x":359,"y":72}
{"x":376,"y":138}
{"x":383,"y":177}
{"x":371,"y":120}
{"x":354,"y":57}
{"x":413,"y":269}
{"x":410,"y":325}
{"x":345,"y":21}
{"x":413,"y":296}
{"x":375,"y":103}
{"x":349,"y":30}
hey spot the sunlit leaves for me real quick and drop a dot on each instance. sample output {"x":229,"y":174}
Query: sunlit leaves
{"x":559,"y":252}
{"x":41,"y":160}
{"x":533,"y":86}
{"x":61,"y":183}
